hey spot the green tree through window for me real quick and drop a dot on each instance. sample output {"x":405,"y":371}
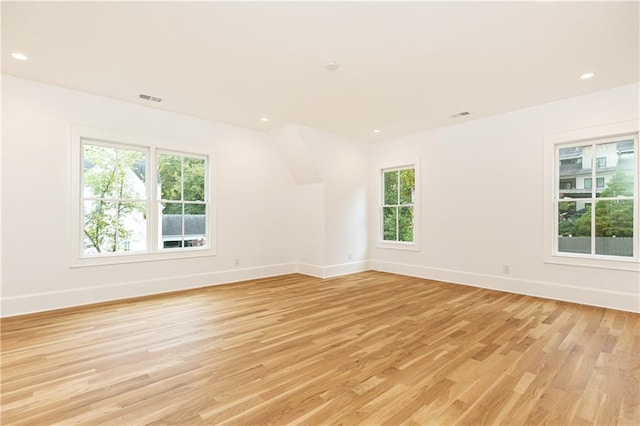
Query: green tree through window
{"x":114,"y":199}
{"x":398,"y":204}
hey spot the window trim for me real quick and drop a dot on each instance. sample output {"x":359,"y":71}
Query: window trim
{"x":79,"y":134}
{"x":398,"y":245}
{"x":579,"y":137}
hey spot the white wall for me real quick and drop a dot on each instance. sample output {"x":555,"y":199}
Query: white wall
{"x":255,"y":201}
{"x":332,"y":215}
{"x":481,"y":192}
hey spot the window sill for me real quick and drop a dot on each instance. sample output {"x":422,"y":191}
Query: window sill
{"x":619,"y":264}
{"x":118,"y":259}
{"x":397,"y":246}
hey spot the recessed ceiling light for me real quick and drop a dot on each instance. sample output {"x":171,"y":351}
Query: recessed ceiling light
{"x":265,"y":119}
{"x":376,"y":130}
{"x":332,"y":66}
{"x":586,"y":76}
{"x":19,"y":56}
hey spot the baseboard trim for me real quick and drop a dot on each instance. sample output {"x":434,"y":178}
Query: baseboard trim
{"x":40,"y":302}
{"x":331,"y":271}
{"x":629,"y":302}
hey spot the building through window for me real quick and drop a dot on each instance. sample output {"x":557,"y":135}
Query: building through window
{"x":598,"y":221}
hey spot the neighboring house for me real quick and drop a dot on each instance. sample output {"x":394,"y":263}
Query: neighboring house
{"x":195,"y":230}
{"x":576,"y":177}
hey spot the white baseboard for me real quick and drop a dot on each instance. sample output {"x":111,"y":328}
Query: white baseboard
{"x":39,"y":302}
{"x":586,"y":296}
{"x":330,"y":271}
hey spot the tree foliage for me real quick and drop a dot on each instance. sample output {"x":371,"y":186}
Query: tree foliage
{"x":111,"y":184}
{"x":612,"y":217}
{"x":181,"y":179}
{"x":397,"y":215}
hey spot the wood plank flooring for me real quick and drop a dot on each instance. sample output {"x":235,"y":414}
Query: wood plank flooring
{"x":370,"y":348}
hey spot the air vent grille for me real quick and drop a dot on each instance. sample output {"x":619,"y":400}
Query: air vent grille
{"x":150,"y":98}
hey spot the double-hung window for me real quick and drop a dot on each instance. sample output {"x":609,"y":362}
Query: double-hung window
{"x":137,"y":200}
{"x":597,"y":221}
{"x":398,"y":206}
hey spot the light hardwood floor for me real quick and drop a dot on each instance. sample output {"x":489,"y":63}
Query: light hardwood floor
{"x":369,"y":348}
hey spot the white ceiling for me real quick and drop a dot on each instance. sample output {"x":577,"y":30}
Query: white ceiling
{"x":404,"y":67}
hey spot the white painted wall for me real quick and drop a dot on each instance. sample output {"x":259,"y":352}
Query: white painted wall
{"x":343,"y":165}
{"x":255,"y":201}
{"x":481,"y":192}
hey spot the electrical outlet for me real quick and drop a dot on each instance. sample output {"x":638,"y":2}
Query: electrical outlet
{"x":237,"y":262}
{"x":506,"y":269}
{"x":350,"y":256}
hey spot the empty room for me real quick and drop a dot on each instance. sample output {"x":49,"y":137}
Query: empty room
{"x":320,"y":213}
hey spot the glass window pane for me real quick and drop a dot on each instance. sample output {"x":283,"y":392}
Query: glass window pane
{"x":407,"y":185}
{"x":574,"y":171}
{"x":614,"y":168}
{"x":195,"y":225}
{"x":170,"y":177}
{"x":391,"y":188}
{"x":574,"y":227}
{"x":171,"y":222}
{"x":132,"y":171}
{"x":100,"y":227}
{"x":99,"y":171}
{"x":614,"y":227}
{"x":405,"y":224}
{"x":194,"y":177}
{"x":132,"y":227}
{"x":114,"y":227}
{"x":389,"y":215}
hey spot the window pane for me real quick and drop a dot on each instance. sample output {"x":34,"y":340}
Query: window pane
{"x":114,"y":227}
{"x":407,"y":185}
{"x":574,"y":227}
{"x":99,"y":171}
{"x":405,"y":224}
{"x":391,"y":188}
{"x":195,"y":225}
{"x":614,"y":168}
{"x":132,"y":227}
{"x":132,"y":170}
{"x":574,"y":170}
{"x":614,"y":228}
{"x":193,"y":179}
{"x":171,"y":220}
{"x":170,"y":177}
{"x":389,"y":215}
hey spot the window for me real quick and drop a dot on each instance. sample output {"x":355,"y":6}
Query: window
{"x":182,"y":205}
{"x":397,"y":210}
{"x":601,"y":162}
{"x":598,"y":222}
{"x":114,"y":199}
{"x":136,"y":200}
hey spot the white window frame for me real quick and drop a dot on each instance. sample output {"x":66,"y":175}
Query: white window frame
{"x":80,"y":134}
{"x":399,"y":245}
{"x":159,"y":200}
{"x":578,"y":137}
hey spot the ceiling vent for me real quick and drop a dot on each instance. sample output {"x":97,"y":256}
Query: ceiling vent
{"x":460,"y":114}
{"x":150,"y":98}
